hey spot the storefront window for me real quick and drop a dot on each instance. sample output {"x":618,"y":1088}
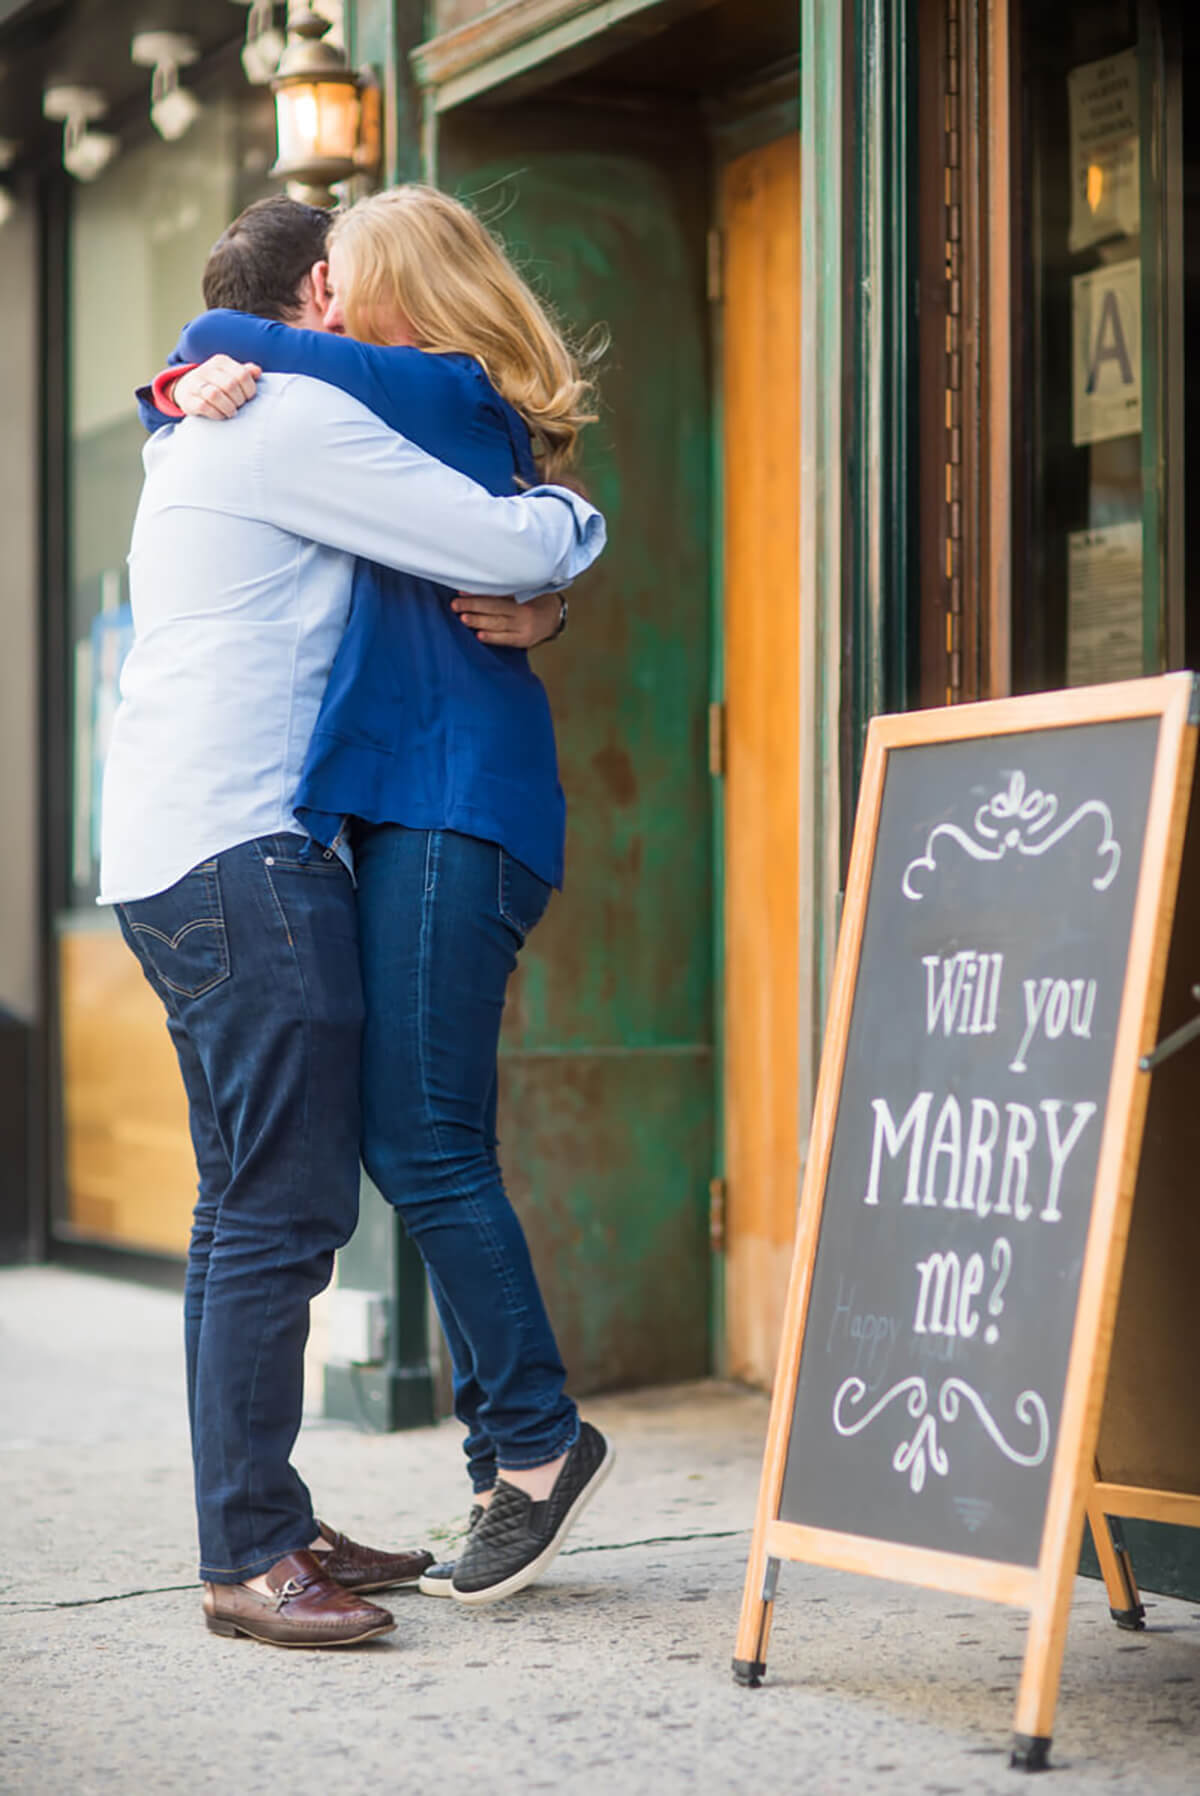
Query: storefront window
{"x":1092,"y":604}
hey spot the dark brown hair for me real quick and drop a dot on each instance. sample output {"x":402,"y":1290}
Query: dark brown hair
{"x":259,"y":263}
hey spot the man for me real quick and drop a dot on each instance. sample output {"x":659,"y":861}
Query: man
{"x":240,"y":575}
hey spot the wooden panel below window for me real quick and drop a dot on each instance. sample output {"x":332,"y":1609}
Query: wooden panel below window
{"x":130,"y":1174}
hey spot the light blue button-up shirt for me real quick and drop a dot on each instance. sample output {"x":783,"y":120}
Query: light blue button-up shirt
{"x":240,"y":574}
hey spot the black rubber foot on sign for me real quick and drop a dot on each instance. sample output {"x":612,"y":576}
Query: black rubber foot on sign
{"x":749,"y":1672}
{"x":1134,"y":1620}
{"x":1030,"y":1752}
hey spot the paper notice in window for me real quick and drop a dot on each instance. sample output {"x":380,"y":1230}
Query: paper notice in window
{"x":1102,"y":99}
{"x":1104,"y":605}
{"x":1107,"y":334}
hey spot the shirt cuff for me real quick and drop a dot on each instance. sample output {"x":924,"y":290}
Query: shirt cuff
{"x":591,"y":534}
{"x":162,"y":382}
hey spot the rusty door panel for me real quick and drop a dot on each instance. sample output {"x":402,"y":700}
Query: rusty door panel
{"x":607,"y":1064}
{"x":600,"y":1154}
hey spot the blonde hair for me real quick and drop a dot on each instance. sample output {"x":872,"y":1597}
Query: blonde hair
{"x":416,"y":252}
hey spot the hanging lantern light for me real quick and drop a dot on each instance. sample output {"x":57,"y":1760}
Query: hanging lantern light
{"x":317,"y":113}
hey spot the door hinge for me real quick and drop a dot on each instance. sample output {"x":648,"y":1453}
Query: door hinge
{"x":716,"y":739}
{"x":717,"y":1192}
{"x":715,"y":263}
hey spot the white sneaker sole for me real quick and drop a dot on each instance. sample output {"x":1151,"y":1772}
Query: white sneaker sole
{"x":435,"y":1586}
{"x":495,"y":1593}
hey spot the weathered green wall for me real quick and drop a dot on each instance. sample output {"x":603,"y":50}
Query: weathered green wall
{"x":607,"y":1063}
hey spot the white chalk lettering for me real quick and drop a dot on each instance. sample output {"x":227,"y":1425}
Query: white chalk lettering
{"x":1035,"y":1003}
{"x":1055,"y":1005}
{"x":1022,"y":1133}
{"x":943,"y":990}
{"x":946,"y":1294}
{"x":947,"y":1141}
{"x":979,"y":1161}
{"x":982,"y":994}
{"x":962,"y":992}
{"x":982,"y":1132}
{"x":940,"y":1275}
{"x":1083,"y":1004}
{"x":891,"y":1138}
{"x":1058,"y":1009}
{"x":972,"y":1285}
{"x":1060,"y":1149}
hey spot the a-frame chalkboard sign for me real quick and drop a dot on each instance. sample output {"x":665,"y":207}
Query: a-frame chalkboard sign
{"x":972,"y":1167}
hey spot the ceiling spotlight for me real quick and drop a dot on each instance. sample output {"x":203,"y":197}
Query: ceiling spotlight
{"x":86,"y":153}
{"x":8,"y":152}
{"x":173,"y":109}
{"x":265,"y":43}
{"x":8,"y":206}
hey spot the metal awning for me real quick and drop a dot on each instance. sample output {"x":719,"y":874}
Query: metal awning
{"x":525,"y":44}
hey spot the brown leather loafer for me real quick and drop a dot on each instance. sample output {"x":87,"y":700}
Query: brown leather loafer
{"x":307,"y":1609}
{"x":367,"y":1568}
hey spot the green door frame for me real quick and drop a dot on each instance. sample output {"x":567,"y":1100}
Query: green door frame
{"x":824,"y":31}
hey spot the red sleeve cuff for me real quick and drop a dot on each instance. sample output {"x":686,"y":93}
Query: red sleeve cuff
{"x":162,"y":387}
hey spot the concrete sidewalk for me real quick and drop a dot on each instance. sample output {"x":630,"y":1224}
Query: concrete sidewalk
{"x":613,"y":1674}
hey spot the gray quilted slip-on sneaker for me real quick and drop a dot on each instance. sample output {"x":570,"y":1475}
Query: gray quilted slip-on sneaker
{"x":436,"y":1580}
{"x":518,"y":1538}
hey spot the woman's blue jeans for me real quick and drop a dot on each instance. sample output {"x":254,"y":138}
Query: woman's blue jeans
{"x":255,"y":957}
{"x":442,"y":918}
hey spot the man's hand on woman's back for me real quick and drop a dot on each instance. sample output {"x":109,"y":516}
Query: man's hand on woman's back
{"x":505,"y":624}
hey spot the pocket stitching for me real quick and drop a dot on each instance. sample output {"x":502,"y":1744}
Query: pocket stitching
{"x":173,"y":941}
{"x":208,"y":870}
{"x":503,"y":899}
{"x":507,"y":914}
{"x":269,"y":870}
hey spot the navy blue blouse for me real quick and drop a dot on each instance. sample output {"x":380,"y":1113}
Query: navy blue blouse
{"x":422,"y":724}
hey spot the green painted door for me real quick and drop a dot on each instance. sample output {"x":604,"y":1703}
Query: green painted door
{"x":607,"y":1083}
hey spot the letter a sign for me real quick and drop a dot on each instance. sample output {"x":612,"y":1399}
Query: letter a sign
{"x":1107,"y":331}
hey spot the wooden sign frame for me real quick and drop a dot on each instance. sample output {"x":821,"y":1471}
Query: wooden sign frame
{"x":1044,"y":1589}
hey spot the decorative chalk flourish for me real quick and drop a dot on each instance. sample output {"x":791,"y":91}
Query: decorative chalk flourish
{"x":924,"y":1451}
{"x":1017,"y":817}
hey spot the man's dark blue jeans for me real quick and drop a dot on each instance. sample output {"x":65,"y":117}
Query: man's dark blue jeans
{"x":442,"y":918}
{"x":255,"y":957}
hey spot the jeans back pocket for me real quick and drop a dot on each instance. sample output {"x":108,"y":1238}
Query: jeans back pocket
{"x":523,"y":896}
{"x":179,"y":935}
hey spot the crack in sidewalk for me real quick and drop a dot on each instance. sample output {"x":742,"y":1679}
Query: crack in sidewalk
{"x":18,"y":1607}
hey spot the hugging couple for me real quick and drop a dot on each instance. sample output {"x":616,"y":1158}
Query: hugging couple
{"x":331,"y":818}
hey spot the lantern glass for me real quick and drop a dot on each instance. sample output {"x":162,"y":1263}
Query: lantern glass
{"x":317,"y":122}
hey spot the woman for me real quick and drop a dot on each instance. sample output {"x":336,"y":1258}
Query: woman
{"x":436,"y":749}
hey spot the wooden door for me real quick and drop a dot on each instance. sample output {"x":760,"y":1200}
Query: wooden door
{"x":760,"y":203}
